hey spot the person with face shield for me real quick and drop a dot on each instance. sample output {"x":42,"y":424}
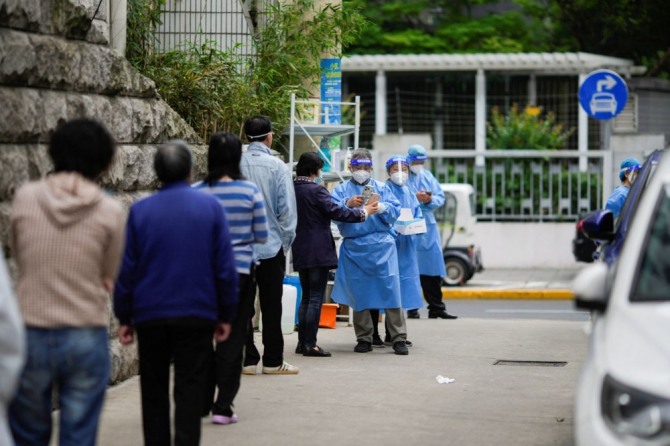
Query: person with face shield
{"x":629,"y":169}
{"x":410,"y":287}
{"x":367,"y":275}
{"x":429,"y":250}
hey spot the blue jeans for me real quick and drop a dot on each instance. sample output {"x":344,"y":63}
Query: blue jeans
{"x":313,"y":282}
{"x":76,"y":361}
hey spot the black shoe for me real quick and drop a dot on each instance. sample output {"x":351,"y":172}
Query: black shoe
{"x":387,"y":341}
{"x":377,"y":341}
{"x":363,"y":347}
{"x":413,"y":314}
{"x":441,"y":315}
{"x":400,"y":348}
{"x":318,"y":352}
{"x":299,"y":349}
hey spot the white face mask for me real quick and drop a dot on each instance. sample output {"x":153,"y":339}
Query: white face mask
{"x":399,"y":178}
{"x":416,"y":168}
{"x":361,"y":176}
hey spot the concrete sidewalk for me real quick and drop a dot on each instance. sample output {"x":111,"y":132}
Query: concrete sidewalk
{"x":379,"y":398}
{"x":517,"y":284}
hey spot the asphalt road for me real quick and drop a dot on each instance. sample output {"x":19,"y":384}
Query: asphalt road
{"x":379,"y":398}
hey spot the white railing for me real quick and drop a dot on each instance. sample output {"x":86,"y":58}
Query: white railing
{"x":529,"y":185}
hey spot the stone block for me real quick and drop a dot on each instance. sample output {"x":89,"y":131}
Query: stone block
{"x":20,"y":111}
{"x":31,"y":15}
{"x":15,"y":170}
{"x":56,"y":63}
{"x":124,"y":361}
{"x":132,"y":169}
{"x":5,"y":211}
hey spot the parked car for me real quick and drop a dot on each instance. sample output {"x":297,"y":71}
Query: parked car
{"x":623,"y":393}
{"x":600,"y":225}
{"x":456,"y":220}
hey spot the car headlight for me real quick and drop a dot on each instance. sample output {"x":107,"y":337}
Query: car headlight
{"x":632,"y":412}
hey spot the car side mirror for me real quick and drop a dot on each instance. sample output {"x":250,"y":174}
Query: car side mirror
{"x":590,"y":287}
{"x":599,"y":225}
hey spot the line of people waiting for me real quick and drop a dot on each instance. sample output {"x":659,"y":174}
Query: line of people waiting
{"x":184,"y":267}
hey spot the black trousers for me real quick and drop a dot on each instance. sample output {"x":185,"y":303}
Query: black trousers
{"x":270,"y":281}
{"x":432,"y":293}
{"x":190,"y":345}
{"x":229,"y":353}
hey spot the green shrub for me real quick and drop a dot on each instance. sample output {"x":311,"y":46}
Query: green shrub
{"x":214,"y":89}
{"x":525,"y":129}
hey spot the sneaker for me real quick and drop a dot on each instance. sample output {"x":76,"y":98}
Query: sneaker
{"x":413,"y":314}
{"x":363,"y":347}
{"x":222,"y":419}
{"x":284,"y":369}
{"x":377,"y":341}
{"x":441,"y":315}
{"x":400,"y":348}
{"x":299,"y":349}
{"x":408,"y":343}
{"x":249,"y":369}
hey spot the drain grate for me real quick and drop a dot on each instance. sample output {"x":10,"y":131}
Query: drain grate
{"x":531,"y":363}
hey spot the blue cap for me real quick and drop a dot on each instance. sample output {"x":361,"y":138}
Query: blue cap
{"x":628,"y":165}
{"x":629,"y":162}
{"x":396,"y":159}
{"x":416,"y":152}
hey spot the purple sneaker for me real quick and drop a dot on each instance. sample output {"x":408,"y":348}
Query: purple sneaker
{"x":222,"y":419}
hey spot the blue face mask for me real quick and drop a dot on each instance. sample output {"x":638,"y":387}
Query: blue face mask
{"x":319,"y":179}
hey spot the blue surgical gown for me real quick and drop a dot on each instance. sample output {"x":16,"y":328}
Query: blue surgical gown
{"x":367,"y":274}
{"x":429,"y":250}
{"x":410,"y":285}
{"x":616,"y":200}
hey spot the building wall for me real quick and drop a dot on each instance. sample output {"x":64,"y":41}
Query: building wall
{"x":55,"y":65}
{"x":526,"y":245}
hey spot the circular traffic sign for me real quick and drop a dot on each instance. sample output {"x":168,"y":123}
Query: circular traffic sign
{"x":603,"y":94}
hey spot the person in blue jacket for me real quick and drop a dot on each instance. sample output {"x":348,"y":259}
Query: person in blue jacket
{"x":177,"y":290}
{"x":367,"y":276}
{"x":410,"y":287}
{"x":629,"y":169}
{"x":429,"y":251}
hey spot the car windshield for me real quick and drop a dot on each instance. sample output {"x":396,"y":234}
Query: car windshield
{"x":653,"y":280}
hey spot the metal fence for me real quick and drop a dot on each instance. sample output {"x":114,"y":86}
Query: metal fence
{"x":231,"y":24}
{"x":528,"y":185}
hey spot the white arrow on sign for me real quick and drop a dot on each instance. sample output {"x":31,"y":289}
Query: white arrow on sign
{"x":609,"y":82}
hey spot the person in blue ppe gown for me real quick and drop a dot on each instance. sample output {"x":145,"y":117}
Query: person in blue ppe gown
{"x":627,"y":174}
{"x":367,"y":276}
{"x":429,"y":251}
{"x":397,"y":168}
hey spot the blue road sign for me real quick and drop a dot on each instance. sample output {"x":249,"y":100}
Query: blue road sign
{"x":603,"y":94}
{"x":331,"y":91}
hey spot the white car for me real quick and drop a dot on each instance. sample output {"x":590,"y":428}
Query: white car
{"x":623,"y":394}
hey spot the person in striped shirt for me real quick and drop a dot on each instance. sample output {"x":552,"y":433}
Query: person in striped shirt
{"x":245,"y":212}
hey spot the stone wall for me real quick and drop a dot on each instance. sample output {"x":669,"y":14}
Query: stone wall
{"x":55,"y":65}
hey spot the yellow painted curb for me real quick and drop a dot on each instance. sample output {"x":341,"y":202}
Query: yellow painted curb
{"x":461,"y":293}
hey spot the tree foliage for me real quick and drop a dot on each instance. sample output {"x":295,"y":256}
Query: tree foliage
{"x":633,"y":29}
